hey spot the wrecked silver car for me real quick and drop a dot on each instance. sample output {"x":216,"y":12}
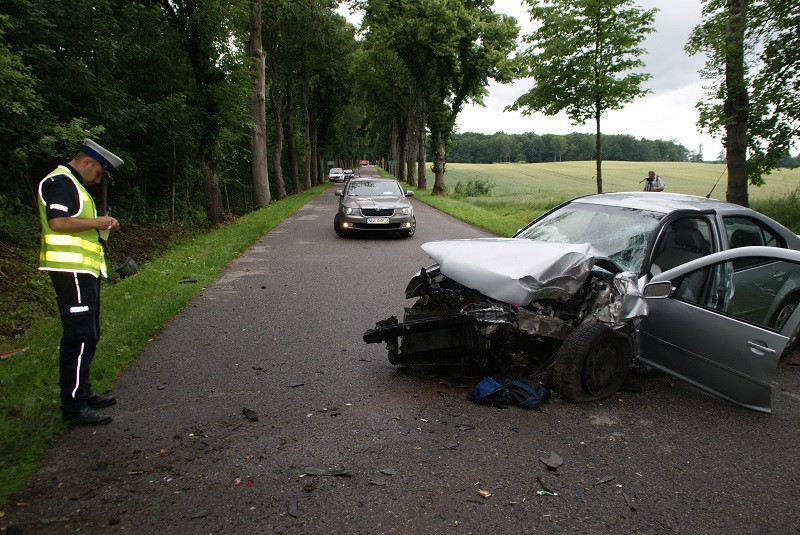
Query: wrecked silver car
{"x":700,"y":289}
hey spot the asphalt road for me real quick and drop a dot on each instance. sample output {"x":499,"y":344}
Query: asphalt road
{"x":279,"y":333}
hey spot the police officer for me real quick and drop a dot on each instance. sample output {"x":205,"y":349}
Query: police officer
{"x":73,"y":255}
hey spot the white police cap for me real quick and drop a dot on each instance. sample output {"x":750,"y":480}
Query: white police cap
{"x":107,"y":159}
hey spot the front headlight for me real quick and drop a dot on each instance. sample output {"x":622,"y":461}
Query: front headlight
{"x":349,"y":210}
{"x":405,"y":210}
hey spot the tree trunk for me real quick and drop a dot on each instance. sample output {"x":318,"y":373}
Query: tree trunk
{"x":306,"y":132}
{"x":402,"y":149}
{"x":316,"y":178}
{"x":274,"y":99}
{"x":208,"y":166}
{"x":258,"y":120}
{"x":421,"y":157}
{"x":392,"y":146}
{"x":292,"y":149}
{"x":411,"y":136}
{"x":736,"y":103}
{"x":597,"y":149}
{"x":438,"y":165}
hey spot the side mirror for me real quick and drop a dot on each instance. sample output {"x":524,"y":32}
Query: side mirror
{"x":658,"y":290}
{"x":409,"y":193}
{"x":339,"y":193}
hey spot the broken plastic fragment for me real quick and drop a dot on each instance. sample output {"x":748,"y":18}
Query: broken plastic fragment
{"x":484,"y":493}
{"x":552,"y":462}
{"x":546,"y":493}
{"x":293,"y":509}
{"x":250,"y":414}
{"x":388,"y":471}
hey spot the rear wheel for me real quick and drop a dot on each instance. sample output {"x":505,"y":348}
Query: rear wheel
{"x":592,"y":363}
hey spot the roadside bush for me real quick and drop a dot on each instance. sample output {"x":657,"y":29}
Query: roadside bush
{"x":477,"y":187}
{"x":785,"y":209}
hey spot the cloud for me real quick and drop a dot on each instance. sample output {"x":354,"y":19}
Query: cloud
{"x":668,"y":113}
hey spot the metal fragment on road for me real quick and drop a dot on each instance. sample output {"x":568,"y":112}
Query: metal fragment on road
{"x":202,"y":513}
{"x":295,"y":384}
{"x":378,"y":481}
{"x":314,"y":471}
{"x":554,"y":461}
{"x":607,"y":479}
{"x":388,"y":471}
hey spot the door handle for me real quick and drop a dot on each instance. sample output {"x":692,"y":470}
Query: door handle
{"x":759,"y":347}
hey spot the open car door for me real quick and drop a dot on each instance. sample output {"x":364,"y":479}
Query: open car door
{"x":721,"y":323}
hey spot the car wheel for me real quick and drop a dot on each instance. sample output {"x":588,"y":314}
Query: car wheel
{"x":409,"y":233}
{"x":592,"y":363}
{"x":337,"y":226}
{"x":780,"y":318}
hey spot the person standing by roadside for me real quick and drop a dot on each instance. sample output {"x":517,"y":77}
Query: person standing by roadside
{"x":73,"y":255}
{"x":653,"y":182}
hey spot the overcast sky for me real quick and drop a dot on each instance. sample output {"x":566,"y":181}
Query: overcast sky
{"x":668,"y":113}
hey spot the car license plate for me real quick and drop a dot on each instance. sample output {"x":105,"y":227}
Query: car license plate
{"x":377,"y":220}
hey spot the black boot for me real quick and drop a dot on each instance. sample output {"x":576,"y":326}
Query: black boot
{"x":87,"y":416}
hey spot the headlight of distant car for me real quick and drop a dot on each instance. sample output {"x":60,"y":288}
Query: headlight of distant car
{"x":405,"y":210}
{"x":349,"y":210}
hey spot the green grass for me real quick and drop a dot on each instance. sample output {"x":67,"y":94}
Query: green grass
{"x":133,"y":311}
{"x":524,"y":191}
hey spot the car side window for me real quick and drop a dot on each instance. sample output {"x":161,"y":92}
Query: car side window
{"x":760,"y":295}
{"x":746,"y":232}
{"x":682,"y":241}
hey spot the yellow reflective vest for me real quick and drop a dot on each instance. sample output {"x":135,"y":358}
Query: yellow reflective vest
{"x":79,"y":252}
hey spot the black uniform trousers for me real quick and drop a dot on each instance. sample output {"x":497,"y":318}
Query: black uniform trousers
{"x":78,"y":297}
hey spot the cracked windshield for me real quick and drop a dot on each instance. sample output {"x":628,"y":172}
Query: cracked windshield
{"x":619,"y":233}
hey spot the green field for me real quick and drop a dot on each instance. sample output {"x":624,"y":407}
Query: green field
{"x":524,"y":191}
{"x":571,"y":179}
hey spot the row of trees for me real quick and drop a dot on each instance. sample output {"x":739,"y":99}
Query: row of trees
{"x":182,"y":89}
{"x":471,"y":147}
{"x":166,"y":85}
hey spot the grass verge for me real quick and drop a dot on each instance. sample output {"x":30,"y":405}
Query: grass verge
{"x":133,"y":311}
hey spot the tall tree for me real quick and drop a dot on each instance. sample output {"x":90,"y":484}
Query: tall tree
{"x":202,"y":26}
{"x":258,"y":125}
{"x":753,"y":102}
{"x":582,"y":60}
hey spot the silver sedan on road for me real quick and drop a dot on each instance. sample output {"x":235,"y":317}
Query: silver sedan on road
{"x":703,"y":290}
{"x":374,"y":205}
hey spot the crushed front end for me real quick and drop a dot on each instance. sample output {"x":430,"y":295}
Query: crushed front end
{"x":450,"y":323}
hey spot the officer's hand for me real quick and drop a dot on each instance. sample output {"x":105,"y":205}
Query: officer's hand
{"x":105,"y":222}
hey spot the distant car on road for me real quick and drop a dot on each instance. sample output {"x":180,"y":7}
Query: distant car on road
{"x":363,"y":162}
{"x":336,"y":174}
{"x":373,"y":205}
{"x":348,"y":174}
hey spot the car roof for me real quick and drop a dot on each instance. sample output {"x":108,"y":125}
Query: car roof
{"x":662,"y":202}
